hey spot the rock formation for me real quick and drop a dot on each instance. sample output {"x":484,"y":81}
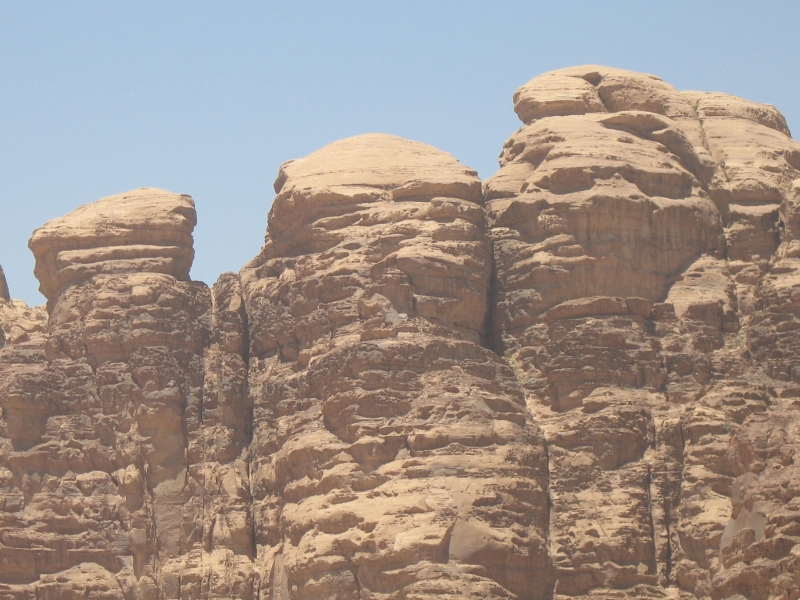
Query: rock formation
{"x":4,"y":293}
{"x":392,"y":454}
{"x":643,"y":245}
{"x":577,"y":379}
{"x":145,"y":230}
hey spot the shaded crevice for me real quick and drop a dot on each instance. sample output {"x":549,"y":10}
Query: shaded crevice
{"x":253,"y":532}
{"x":602,"y":100}
{"x":652,"y":523}
{"x":245,"y":327}
{"x":491,"y":337}
{"x":546,"y":522}
{"x":594,"y":78}
{"x":246,"y":359}
{"x":668,"y":530}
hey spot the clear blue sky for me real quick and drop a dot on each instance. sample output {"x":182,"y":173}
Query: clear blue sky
{"x":208,"y":98}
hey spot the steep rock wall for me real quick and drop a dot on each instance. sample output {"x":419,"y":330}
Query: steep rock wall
{"x":640,"y":237}
{"x":577,"y":379}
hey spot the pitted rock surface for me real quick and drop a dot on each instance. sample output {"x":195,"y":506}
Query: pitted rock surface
{"x":395,"y":455}
{"x":577,"y":379}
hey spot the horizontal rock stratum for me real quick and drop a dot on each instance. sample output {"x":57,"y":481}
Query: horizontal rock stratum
{"x":579,"y":378}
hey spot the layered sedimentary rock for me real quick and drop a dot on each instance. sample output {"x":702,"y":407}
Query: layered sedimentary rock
{"x":640,"y":239}
{"x":144,"y":230}
{"x":392,"y":453}
{"x":98,"y":411}
{"x":577,"y":379}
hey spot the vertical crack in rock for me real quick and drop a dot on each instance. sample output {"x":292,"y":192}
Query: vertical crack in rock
{"x":654,"y":567}
{"x":491,"y":338}
{"x":577,"y":379}
{"x":393,"y":453}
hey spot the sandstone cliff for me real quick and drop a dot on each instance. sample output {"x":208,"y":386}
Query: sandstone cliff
{"x":577,"y":379}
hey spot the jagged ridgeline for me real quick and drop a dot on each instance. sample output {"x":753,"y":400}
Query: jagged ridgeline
{"x":579,"y":378}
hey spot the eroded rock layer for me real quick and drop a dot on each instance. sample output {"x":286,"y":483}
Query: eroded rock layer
{"x":144,"y":230}
{"x":644,"y":278}
{"x":578,"y":379}
{"x":392,"y":454}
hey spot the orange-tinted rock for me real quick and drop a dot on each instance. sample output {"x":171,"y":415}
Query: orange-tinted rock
{"x":578,"y":379}
{"x":638,"y":237}
{"x":392,"y":454}
{"x":145,"y":230}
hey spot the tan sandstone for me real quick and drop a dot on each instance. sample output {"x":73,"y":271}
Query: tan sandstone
{"x":147,"y":230}
{"x":578,"y":379}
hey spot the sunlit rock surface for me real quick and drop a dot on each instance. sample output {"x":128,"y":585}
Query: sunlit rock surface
{"x":144,"y":230}
{"x":576,"y":379}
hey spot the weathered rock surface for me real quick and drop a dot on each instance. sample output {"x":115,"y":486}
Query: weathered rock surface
{"x":644,"y":283}
{"x":579,"y":379}
{"x":144,"y":230}
{"x":392,"y":454}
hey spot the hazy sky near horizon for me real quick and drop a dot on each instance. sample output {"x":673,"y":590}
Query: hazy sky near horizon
{"x":209,"y":98}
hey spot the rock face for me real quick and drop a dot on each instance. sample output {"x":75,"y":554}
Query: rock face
{"x":145,"y":230}
{"x":577,"y":379}
{"x":642,"y":243}
{"x":392,"y":454}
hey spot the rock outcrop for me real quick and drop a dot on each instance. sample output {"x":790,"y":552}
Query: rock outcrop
{"x":392,"y":454}
{"x":4,"y":293}
{"x":144,"y":230}
{"x":642,"y":298}
{"x":577,"y":379}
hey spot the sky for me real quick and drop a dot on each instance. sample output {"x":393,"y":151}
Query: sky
{"x":209,"y":98}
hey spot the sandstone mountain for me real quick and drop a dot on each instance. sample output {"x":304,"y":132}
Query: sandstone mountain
{"x":579,"y":378}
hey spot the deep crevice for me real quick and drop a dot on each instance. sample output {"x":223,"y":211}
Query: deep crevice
{"x":492,"y":340}
{"x":652,"y":522}
{"x":668,"y":529}
{"x":548,"y":537}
